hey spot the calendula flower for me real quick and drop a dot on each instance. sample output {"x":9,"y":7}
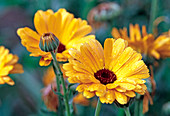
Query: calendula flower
{"x":112,"y":73}
{"x":143,"y":42}
{"x":69,"y":30}
{"x":8,"y":65}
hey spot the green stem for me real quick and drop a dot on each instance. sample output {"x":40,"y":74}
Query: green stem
{"x":62,"y":82}
{"x":138,"y":106}
{"x":136,"y":110}
{"x":98,"y":108}
{"x":127,"y":112}
{"x":60,"y":108}
{"x":152,"y":14}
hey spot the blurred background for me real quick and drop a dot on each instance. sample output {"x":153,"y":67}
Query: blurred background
{"x":24,"y":98}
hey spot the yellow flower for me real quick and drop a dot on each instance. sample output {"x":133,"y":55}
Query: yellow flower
{"x":8,"y":65}
{"x":112,"y":73}
{"x":69,"y":30}
{"x":143,"y":42}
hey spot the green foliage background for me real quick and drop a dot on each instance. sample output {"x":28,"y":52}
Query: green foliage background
{"x":24,"y":98}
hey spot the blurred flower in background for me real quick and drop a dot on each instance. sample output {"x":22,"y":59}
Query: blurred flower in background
{"x":143,"y":42}
{"x":99,"y":15}
{"x":8,"y":65}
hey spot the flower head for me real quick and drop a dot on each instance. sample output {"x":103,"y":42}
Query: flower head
{"x":8,"y":65}
{"x":143,"y":42}
{"x":69,"y":30}
{"x":112,"y":73}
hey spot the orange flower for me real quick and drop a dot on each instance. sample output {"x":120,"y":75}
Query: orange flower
{"x":69,"y":30}
{"x":8,"y":65}
{"x":143,"y":42}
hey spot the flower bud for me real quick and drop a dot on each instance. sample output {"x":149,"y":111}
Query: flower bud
{"x":48,"y":42}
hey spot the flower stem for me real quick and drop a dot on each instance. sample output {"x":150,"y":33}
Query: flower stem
{"x":152,"y":14}
{"x":98,"y":108}
{"x":56,"y":65}
{"x":60,"y":107}
{"x":127,"y":112}
{"x":138,"y":111}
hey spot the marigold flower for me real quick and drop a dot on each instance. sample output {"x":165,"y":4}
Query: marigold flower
{"x":69,"y":30}
{"x":112,"y":73}
{"x":143,"y":42}
{"x":8,"y":65}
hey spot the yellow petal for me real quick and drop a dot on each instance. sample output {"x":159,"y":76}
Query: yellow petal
{"x":120,"y":89}
{"x":5,"y":71}
{"x":99,"y":89}
{"x":120,"y":97}
{"x":40,"y":21}
{"x":118,"y":47}
{"x":88,"y":94}
{"x":115,"y":33}
{"x":88,"y":58}
{"x":127,"y":86}
{"x":130,"y":93}
{"x":124,"y":69}
{"x":81,"y":87}
{"x":127,"y":53}
{"x":43,"y":62}
{"x":8,"y":80}
{"x":108,"y":45}
{"x":2,"y":81}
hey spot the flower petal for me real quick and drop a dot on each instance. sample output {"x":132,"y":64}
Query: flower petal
{"x":120,"y":97}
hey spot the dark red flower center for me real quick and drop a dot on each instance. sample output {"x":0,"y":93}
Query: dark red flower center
{"x":105,"y":76}
{"x":61,"y":48}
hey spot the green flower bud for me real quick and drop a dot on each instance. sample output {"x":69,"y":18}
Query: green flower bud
{"x":48,"y":42}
